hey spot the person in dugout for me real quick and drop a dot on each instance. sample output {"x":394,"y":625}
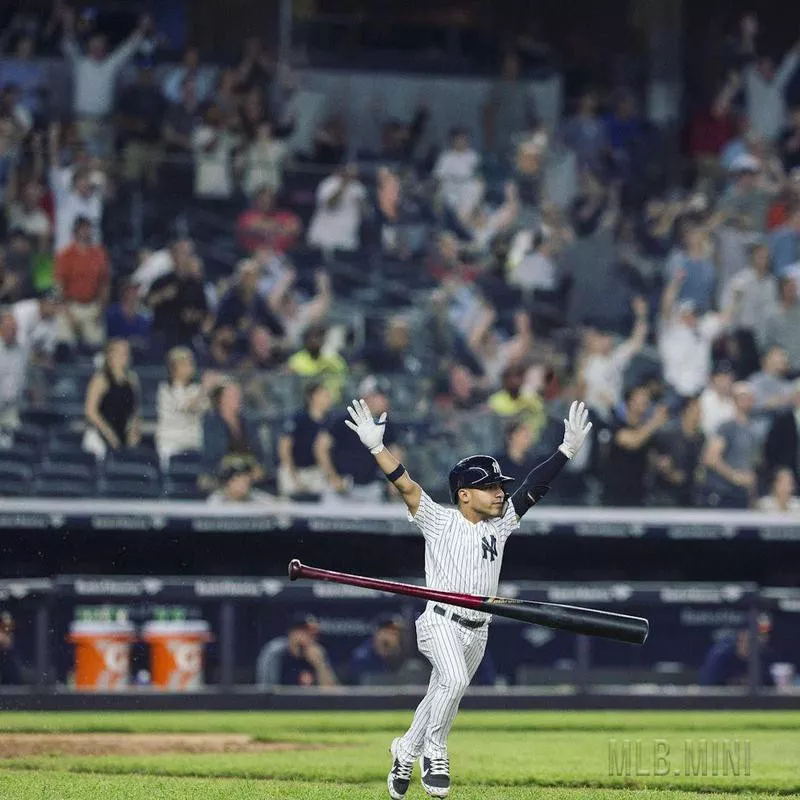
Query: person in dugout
{"x":727,"y":661}
{"x":296,"y":659}
{"x":10,"y":667}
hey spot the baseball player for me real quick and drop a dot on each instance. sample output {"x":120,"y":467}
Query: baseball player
{"x":463,"y":553}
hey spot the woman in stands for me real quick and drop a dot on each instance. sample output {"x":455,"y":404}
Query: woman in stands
{"x":181,"y":403}
{"x":112,"y":403}
{"x":227,"y":431}
{"x":783,"y":495}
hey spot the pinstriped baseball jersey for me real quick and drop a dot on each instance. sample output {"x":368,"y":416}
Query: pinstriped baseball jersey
{"x":461,"y":556}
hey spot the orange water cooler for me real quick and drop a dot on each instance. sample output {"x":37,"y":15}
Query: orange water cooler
{"x":102,"y":654}
{"x":177,"y":653}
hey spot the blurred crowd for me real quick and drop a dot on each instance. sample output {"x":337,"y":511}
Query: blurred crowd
{"x":507,"y":278}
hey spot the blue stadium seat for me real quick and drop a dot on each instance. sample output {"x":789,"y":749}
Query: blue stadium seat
{"x":130,"y":490}
{"x":13,"y":470}
{"x":41,"y":417}
{"x":69,"y":409}
{"x":133,"y":471}
{"x":183,"y":487}
{"x":148,"y":441}
{"x":186,"y":458}
{"x":130,"y":480}
{"x":14,"y":488}
{"x":30,"y":434}
{"x":21,"y":453}
{"x":66,"y":437}
{"x":46,"y":487}
{"x":149,"y":380}
{"x":65,"y":453}
{"x":134,"y":455}
{"x":185,"y":465}
{"x":65,"y":472}
{"x":15,"y":478}
{"x":67,"y":387}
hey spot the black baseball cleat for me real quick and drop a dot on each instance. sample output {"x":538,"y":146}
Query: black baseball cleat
{"x":435,"y":776}
{"x":399,"y":775}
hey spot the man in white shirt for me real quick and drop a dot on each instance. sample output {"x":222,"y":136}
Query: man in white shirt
{"x":456,"y":168}
{"x":76,"y":196}
{"x":213,"y":146}
{"x":733,"y":243}
{"x":337,"y":218}
{"x":757,"y":292}
{"x":37,"y":324}
{"x":13,"y":371}
{"x":716,"y":401}
{"x":95,"y":76}
{"x":531,"y":260}
{"x":772,"y":390}
{"x":684,"y":341}
{"x":765,"y":85}
{"x":27,"y":215}
{"x":604,"y":365}
{"x":77,"y":191}
{"x":262,"y":161}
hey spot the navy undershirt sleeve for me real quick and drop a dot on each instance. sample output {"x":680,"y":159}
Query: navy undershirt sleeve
{"x":537,"y":482}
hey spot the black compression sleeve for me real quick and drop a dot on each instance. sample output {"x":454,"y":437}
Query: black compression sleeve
{"x":537,"y":483}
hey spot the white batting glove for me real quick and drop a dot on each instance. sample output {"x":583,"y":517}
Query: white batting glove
{"x":576,"y":429}
{"x":369,"y":431}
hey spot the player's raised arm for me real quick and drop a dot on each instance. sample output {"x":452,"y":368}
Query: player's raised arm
{"x":537,"y":482}
{"x":371,"y":435}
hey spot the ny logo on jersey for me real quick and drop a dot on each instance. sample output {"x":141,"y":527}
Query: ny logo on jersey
{"x":489,"y":547}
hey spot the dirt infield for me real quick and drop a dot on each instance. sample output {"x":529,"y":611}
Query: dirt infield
{"x":21,"y":745}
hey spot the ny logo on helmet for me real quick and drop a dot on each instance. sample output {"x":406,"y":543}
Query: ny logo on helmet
{"x":489,"y":547}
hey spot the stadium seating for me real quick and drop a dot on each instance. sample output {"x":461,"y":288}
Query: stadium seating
{"x":22,"y":453}
{"x":41,"y":417}
{"x":130,"y":490}
{"x":65,"y":472}
{"x":182,"y":487}
{"x":70,"y":454}
{"x":141,"y":455}
{"x":12,"y":487}
{"x":15,"y":476}
{"x":66,"y":437}
{"x":31,"y":435}
{"x":61,"y":488}
{"x":185,"y":463}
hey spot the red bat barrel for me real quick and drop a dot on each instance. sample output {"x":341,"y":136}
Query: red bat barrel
{"x":588,"y":621}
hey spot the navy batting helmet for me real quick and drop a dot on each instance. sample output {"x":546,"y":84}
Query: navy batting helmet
{"x":475,"y":472}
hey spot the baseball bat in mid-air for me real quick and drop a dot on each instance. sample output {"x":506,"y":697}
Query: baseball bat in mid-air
{"x":588,"y":621}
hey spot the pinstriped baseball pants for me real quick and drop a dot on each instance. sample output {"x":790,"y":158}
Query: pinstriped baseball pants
{"x":455,"y":653}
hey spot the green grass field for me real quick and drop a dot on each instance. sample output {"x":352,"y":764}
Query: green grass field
{"x":506,"y":755}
